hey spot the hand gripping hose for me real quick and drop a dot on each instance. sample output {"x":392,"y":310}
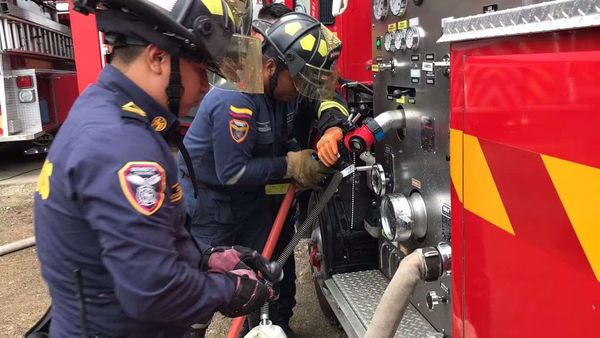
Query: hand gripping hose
{"x":306,"y":226}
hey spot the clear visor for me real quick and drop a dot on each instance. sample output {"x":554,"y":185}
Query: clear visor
{"x":241,"y":68}
{"x":242,"y":11}
{"x":316,"y":83}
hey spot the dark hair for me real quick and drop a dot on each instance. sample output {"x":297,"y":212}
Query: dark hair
{"x":126,"y":54}
{"x":273,"y":11}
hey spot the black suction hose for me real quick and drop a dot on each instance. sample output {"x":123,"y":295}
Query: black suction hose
{"x":311,"y":218}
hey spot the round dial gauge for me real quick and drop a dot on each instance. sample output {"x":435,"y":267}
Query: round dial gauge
{"x":400,"y":39}
{"x":388,"y":41}
{"x":380,"y":9}
{"x":398,"y":7}
{"x":413,"y":37}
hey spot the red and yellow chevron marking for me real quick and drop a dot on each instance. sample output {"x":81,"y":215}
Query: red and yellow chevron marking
{"x":481,"y":195}
{"x":536,"y":192}
{"x":578,"y":187}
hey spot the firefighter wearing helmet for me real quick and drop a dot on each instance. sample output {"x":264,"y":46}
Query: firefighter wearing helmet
{"x":242,"y":145}
{"x":110,"y":217}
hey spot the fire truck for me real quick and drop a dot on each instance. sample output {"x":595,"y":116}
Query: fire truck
{"x":491,"y":158}
{"x":38,"y":83}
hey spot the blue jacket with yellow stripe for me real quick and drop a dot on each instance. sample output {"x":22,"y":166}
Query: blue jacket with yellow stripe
{"x":108,"y":204}
{"x":240,"y":139}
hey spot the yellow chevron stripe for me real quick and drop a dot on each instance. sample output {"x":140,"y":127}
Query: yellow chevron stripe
{"x":578,"y":187}
{"x":329,"y":104}
{"x":244,"y":111}
{"x":133,"y":108}
{"x":481,"y":194}
{"x":456,"y":161}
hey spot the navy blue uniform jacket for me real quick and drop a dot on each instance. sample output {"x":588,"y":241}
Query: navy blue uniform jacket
{"x":108,"y":203}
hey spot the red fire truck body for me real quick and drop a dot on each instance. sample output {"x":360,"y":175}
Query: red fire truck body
{"x":525,"y":174}
{"x":38,"y":85}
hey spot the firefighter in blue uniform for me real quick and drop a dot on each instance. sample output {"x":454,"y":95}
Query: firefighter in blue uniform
{"x":109,"y":211}
{"x":241,"y":144}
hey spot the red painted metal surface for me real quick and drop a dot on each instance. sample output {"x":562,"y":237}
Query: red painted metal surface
{"x":67,"y":87}
{"x":350,"y":27}
{"x":86,"y":45}
{"x":522,"y":97}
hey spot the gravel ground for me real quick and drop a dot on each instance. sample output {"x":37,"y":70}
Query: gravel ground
{"x":24,"y":296}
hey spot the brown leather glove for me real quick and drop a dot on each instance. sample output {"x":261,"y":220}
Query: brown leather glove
{"x":308,"y":172}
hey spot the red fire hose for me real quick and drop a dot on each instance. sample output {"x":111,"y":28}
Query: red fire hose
{"x":284,"y":209}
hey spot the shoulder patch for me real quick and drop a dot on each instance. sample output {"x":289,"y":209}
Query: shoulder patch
{"x":143,"y":184}
{"x":238,"y":129}
{"x":240,"y":113}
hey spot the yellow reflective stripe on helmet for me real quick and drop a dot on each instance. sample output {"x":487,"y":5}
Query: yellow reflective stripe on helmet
{"x":292,"y":28}
{"x":230,"y":14}
{"x":323,"y":48}
{"x":215,"y":7}
{"x":308,"y":42}
{"x":329,"y":104}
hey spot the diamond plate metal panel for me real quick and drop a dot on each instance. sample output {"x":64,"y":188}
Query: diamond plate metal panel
{"x":364,"y":289}
{"x":27,"y":114}
{"x":544,"y":17}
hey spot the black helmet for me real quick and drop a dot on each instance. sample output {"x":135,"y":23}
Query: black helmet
{"x":199,"y":30}
{"x":309,"y":51}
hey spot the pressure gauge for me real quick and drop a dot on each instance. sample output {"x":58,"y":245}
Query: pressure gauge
{"x":400,"y":39}
{"x":413,"y":37}
{"x":380,"y":9}
{"x":398,"y":7}
{"x":388,"y":41}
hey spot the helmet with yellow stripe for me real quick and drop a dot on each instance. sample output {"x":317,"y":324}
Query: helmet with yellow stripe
{"x":309,"y":51}
{"x":199,"y":30}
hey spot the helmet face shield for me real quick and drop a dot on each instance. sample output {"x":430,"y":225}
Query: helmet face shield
{"x":316,"y":83}
{"x":242,"y":11}
{"x":241,"y":67}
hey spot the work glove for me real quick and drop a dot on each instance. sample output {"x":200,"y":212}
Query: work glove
{"x":231,"y":258}
{"x":305,"y":169}
{"x":250,"y":294}
{"x":327,"y":147}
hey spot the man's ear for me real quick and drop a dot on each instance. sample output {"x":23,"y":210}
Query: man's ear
{"x":271,"y":66}
{"x":158,"y":60}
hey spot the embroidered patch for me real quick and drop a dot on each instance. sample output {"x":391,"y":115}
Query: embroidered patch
{"x":143,"y":184}
{"x":159,"y":123}
{"x":240,"y":113}
{"x":238,"y":130}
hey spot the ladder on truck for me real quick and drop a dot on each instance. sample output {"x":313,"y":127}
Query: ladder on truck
{"x":29,"y":33}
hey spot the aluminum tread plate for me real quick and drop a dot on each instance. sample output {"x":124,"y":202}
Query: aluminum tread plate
{"x":363,"y":290}
{"x":537,"y":18}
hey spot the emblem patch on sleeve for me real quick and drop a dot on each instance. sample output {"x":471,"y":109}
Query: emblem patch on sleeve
{"x":143,"y":184}
{"x":238,"y":130}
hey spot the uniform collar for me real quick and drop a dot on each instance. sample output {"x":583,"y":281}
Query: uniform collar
{"x":134,"y":97}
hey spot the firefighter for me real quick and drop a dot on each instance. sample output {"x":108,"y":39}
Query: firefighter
{"x":109,"y":212}
{"x":239,"y":143}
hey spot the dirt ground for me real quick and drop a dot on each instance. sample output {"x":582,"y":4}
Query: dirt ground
{"x":24,"y":297}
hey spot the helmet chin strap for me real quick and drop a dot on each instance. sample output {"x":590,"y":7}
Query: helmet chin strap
{"x":174,"y":93}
